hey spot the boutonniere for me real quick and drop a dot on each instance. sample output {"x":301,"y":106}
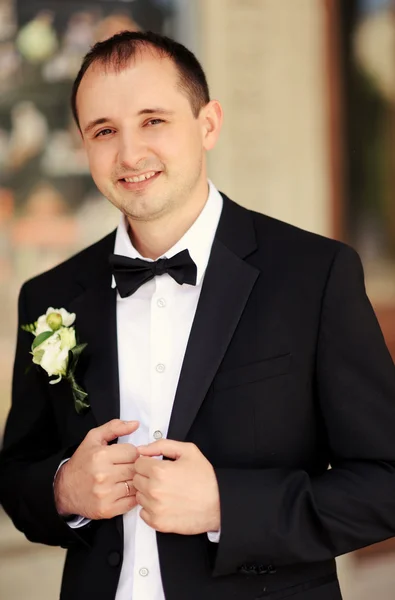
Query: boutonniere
{"x":55,"y":349}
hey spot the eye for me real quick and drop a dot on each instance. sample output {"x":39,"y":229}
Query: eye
{"x":102,"y":133}
{"x":154,"y":121}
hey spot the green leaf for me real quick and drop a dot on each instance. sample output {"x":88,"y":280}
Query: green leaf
{"x":79,"y":396}
{"x":29,"y":328}
{"x":76,"y":351}
{"x":28,"y":368}
{"x":74,"y":355}
{"x":41,"y":338}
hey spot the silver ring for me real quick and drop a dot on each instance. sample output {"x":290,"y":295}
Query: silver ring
{"x":127,"y":488}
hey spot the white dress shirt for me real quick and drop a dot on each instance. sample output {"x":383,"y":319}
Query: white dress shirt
{"x":153,"y":327}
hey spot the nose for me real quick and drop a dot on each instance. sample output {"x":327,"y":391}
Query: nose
{"x":132,"y":150}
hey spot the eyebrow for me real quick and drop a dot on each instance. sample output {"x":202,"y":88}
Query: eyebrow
{"x":151,"y":111}
{"x":93,"y":124}
{"x":145,"y":111}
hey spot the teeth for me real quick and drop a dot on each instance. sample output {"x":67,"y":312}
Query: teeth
{"x":140,"y":177}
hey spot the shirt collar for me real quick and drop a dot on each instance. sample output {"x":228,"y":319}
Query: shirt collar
{"x":198,"y":239}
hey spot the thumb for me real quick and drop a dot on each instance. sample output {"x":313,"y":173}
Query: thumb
{"x":114,"y":429}
{"x":168,"y":448}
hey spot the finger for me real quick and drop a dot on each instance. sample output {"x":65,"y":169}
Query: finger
{"x":141,"y":484}
{"x":116,"y":507}
{"x":122,"y":453}
{"x":145,"y":502}
{"x":121,"y":490}
{"x":122,"y":472}
{"x":124,"y":505}
{"x":112,"y":430}
{"x":145,"y":465}
{"x":168,"y":448}
{"x":147,"y":517}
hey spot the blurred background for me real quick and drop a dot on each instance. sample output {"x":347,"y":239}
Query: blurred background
{"x":308,"y":89}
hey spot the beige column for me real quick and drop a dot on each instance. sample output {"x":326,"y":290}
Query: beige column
{"x":265,"y":61}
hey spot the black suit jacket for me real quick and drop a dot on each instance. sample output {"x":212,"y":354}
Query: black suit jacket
{"x":286,"y":372}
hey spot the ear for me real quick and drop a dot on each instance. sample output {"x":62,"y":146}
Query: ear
{"x":211,"y":117}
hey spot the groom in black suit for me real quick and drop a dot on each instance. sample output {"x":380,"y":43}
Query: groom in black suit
{"x":241,"y":350}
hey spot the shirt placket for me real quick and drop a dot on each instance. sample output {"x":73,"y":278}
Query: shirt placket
{"x":147,"y":578}
{"x":161,"y":355}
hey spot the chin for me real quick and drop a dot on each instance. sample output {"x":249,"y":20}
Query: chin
{"x":145,"y":213}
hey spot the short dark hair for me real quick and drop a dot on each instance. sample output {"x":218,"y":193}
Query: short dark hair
{"x":117,"y":51}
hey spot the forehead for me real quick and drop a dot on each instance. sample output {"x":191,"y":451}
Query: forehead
{"x":147,"y":80}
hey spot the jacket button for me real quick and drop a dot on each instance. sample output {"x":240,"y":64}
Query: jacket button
{"x":114,"y":558}
{"x":262,"y":570}
{"x":248,"y":569}
{"x":243,"y":569}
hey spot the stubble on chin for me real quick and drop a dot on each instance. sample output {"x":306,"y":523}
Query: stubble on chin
{"x":138,"y":208}
{"x":145,"y":212}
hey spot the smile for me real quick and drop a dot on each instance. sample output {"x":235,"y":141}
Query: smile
{"x":139,"y":178}
{"x":139,"y":182}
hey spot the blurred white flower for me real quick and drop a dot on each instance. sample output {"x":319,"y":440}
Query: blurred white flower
{"x":37,"y":41}
{"x":374,"y":49}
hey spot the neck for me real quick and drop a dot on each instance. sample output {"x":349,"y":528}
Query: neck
{"x":154,"y":238}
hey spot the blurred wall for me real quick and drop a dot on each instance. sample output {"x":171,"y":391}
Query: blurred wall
{"x":265,"y":63}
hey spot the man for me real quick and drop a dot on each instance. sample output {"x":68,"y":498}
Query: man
{"x":250,"y":361}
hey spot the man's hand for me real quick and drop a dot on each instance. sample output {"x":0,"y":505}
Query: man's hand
{"x":180,"y":496}
{"x":92,"y":483}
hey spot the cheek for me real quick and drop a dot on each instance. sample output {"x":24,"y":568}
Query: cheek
{"x":180,"y":143}
{"x":192,"y":155}
{"x":100,"y":162}
{"x":183,"y":151}
{"x":193,"y":145}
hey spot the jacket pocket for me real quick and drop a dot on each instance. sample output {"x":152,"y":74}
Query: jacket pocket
{"x":304,"y":588}
{"x":271,"y":367}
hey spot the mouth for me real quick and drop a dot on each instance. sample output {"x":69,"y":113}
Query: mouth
{"x":139,"y":181}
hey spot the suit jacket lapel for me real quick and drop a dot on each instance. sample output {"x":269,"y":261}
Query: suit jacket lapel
{"x":95,"y":311}
{"x":226,"y":287}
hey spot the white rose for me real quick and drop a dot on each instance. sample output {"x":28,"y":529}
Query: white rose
{"x":67,"y":318}
{"x":52,"y":357}
{"x":42,"y":323}
{"x":67,"y":338}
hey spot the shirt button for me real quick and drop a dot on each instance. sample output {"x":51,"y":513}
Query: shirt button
{"x":143,"y":572}
{"x":160,"y":368}
{"x":158,"y":435}
{"x":161,"y":303}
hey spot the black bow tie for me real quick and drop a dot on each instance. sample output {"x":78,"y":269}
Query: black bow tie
{"x":131,"y":273}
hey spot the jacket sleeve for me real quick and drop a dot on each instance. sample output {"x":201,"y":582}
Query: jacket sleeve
{"x":31,"y":451}
{"x":281,"y":516}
